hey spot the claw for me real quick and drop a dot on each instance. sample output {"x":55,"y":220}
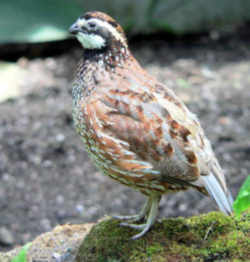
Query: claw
{"x":125,"y":217}
{"x":144,"y":231}
{"x":134,"y":226}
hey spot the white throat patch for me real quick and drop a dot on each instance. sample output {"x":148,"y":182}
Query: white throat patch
{"x":91,"y":41}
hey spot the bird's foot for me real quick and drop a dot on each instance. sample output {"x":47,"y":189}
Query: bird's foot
{"x":136,"y":218}
{"x":151,"y":208}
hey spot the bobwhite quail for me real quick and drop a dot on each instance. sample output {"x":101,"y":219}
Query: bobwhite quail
{"x":136,"y":130}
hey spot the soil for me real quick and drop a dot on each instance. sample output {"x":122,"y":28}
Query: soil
{"x":46,"y":177}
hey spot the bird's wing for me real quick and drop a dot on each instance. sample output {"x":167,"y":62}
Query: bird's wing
{"x":134,"y":128}
{"x":145,"y":127}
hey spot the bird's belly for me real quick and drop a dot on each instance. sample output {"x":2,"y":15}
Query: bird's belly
{"x":144,"y":182}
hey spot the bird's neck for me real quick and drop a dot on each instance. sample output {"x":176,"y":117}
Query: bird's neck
{"x":109,"y":57}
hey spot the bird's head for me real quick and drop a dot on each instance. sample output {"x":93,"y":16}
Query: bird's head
{"x":96,"y":30}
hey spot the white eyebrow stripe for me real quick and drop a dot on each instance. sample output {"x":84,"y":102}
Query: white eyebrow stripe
{"x":108,"y":26}
{"x":81,"y":21}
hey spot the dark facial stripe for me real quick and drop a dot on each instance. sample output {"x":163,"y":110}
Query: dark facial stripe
{"x":87,"y":16}
{"x":113,"y":23}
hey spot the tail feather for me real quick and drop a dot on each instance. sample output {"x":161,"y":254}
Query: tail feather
{"x":221,"y":196}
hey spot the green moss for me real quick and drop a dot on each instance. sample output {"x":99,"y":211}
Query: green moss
{"x":154,"y":249}
{"x":209,"y":237}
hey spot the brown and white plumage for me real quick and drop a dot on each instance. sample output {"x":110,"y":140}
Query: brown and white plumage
{"x":135,"y":129}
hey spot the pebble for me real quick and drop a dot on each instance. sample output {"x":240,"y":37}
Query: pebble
{"x":6,"y":237}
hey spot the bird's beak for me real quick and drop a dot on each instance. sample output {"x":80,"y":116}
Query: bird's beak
{"x":74,"y":29}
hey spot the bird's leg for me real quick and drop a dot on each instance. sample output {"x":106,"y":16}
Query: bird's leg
{"x":150,"y":220}
{"x":134,"y":218}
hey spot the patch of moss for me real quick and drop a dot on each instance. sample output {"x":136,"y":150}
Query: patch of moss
{"x":155,"y":248}
{"x":209,"y":237}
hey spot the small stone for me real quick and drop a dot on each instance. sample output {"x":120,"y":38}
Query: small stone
{"x":60,"y":199}
{"x":80,"y":208}
{"x":224,"y":120}
{"x":60,"y":138}
{"x":57,"y":256}
{"x":6,"y":237}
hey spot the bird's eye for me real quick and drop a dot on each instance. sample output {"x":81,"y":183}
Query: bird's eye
{"x":92,"y":25}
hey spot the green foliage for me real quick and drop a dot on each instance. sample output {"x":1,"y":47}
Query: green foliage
{"x":21,"y":257}
{"x":242,"y":201}
{"x":36,"y":21}
{"x":28,"y":21}
{"x":46,"y":20}
{"x":180,"y":17}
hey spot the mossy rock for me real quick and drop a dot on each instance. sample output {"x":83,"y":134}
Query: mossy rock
{"x":208,"y":237}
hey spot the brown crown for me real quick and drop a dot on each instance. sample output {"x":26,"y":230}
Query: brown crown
{"x":104,"y":17}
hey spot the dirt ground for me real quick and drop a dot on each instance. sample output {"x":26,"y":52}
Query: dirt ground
{"x":46,"y":177}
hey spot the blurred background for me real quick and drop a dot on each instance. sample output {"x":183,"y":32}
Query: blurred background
{"x":199,"y":48}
